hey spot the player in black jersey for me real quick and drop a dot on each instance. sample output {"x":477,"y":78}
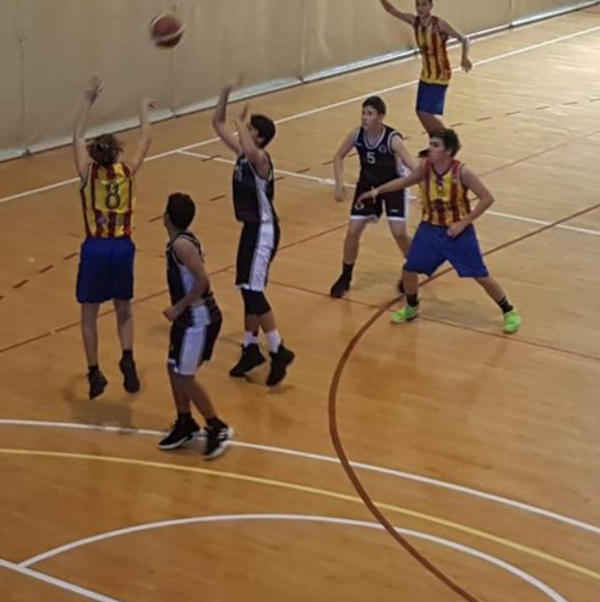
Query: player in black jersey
{"x":196,"y":322}
{"x":253,"y":192}
{"x":383,"y":157}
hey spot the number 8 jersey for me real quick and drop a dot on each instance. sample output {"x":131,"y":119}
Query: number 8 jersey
{"x":108,"y":199}
{"x":378,"y":163}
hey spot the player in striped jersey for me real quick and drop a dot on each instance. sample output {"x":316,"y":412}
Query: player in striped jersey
{"x":431,"y":34}
{"x":107,"y":253}
{"x":446,"y":232}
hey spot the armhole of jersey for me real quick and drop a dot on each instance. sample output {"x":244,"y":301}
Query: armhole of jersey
{"x":391,"y":137}
{"x":460,"y":176}
{"x":257,"y":175}
{"x":356,"y":135}
{"x":191,"y":238}
{"x":177,"y":261}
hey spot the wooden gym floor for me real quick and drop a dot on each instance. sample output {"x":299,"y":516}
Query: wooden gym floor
{"x":482,"y":449}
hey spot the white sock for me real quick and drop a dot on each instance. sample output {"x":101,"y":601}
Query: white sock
{"x":250,"y":338}
{"x":273,"y":340}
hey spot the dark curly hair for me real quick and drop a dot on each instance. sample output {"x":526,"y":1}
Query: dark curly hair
{"x":105,"y":150}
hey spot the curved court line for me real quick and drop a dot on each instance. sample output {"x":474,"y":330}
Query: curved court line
{"x":323,"y":108}
{"x":373,"y":506}
{"x":409,"y":476}
{"x":310,"y":518}
{"x":317,"y":491}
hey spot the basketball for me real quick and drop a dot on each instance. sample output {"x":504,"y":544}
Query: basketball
{"x":166,"y":31}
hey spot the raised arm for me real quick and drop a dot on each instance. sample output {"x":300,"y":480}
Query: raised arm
{"x":251,"y":151}
{"x":143,"y":145}
{"x":392,"y":10}
{"x":80,"y":152}
{"x":188,"y":255}
{"x":338,"y":165}
{"x":465,"y":62}
{"x":219,"y":122}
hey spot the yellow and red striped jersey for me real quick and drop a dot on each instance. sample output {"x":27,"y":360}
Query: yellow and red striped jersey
{"x":444,"y":196}
{"x":432,"y":43}
{"x":108,"y":200}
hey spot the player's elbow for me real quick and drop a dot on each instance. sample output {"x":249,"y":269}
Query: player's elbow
{"x":487,"y":200}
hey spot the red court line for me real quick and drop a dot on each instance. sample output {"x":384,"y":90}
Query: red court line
{"x":334,"y":429}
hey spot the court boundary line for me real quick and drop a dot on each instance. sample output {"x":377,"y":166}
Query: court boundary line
{"x":520,"y":218}
{"x":375,"y":508}
{"x":307,"y":489}
{"x":60,"y":583}
{"x":324,"y":108}
{"x":307,"y":518}
{"x":400,"y":474}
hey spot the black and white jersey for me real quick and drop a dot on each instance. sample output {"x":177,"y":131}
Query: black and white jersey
{"x":253,"y":195}
{"x":181,"y":281}
{"x":378,"y":163}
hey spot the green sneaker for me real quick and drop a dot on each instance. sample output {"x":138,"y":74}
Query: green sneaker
{"x":406,"y":314}
{"x":512,"y":322}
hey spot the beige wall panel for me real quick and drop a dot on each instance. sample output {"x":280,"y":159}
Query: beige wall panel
{"x":66,"y":41}
{"x":51,"y":48}
{"x":471,"y":16}
{"x":523,"y":9}
{"x":340,"y":32}
{"x":260,"y":38}
{"x":11,"y":91}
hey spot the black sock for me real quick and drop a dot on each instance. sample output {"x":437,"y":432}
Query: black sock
{"x":504,"y":305}
{"x":347,"y":270}
{"x":184,"y":416}
{"x":93,"y":369}
{"x":412,"y":300}
{"x":128,"y":355}
{"x":215,"y":422}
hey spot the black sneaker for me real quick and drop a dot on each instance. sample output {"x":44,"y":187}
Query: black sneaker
{"x":182,"y":431}
{"x":250,"y":358}
{"x":279,"y":363}
{"x":97,"y":382}
{"x":131,"y":382}
{"x":340,"y":287}
{"x":217,"y":440}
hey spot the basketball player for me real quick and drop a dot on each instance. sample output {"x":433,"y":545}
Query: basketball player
{"x":253,"y":192}
{"x":383,"y":157}
{"x":196,"y":322}
{"x":446,"y":231}
{"x":107,"y":253}
{"x":431,"y":35}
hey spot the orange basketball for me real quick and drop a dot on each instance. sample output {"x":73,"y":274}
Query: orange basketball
{"x":166,"y":31}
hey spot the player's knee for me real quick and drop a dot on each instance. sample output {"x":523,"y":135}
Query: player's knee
{"x":353,"y":236}
{"x":255,"y":303}
{"x":402,"y":236}
{"x":123,"y":310}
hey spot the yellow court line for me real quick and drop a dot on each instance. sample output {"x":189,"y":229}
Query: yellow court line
{"x":317,"y":491}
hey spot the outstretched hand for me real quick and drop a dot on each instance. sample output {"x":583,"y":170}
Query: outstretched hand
{"x":148,"y":103}
{"x":367,"y":197}
{"x":244,"y":113}
{"x":92,"y":92}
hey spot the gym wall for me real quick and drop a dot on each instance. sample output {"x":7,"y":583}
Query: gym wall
{"x":49,"y":51}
